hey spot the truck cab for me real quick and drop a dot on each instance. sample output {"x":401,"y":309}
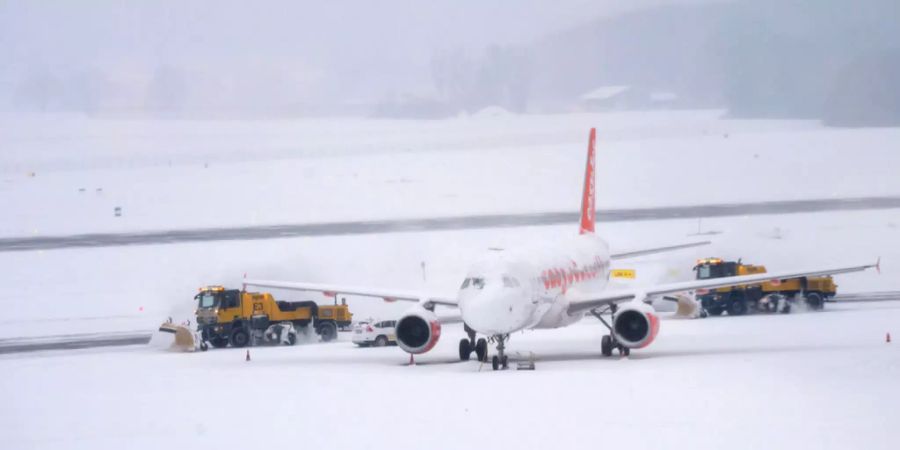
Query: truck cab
{"x":717,"y":268}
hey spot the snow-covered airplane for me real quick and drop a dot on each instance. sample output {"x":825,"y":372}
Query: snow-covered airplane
{"x":550,"y":285}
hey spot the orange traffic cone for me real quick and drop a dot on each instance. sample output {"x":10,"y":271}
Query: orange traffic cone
{"x":412,"y":361}
{"x":248,"y":355}
{"x":887,"y":338}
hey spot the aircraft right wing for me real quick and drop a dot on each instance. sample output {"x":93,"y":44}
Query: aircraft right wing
{"x":587,"y":301}
{"x":426,"y":299}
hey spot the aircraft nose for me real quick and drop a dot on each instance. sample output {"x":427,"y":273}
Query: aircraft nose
{"x":498,"y":311}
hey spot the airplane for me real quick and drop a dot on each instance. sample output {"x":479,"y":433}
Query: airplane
{"x":545,"y":286}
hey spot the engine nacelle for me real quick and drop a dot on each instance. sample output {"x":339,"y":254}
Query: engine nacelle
{"x":418,"y":330}
{"x":636,"y":324}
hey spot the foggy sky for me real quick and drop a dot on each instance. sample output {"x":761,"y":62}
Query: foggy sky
{"x":340,"y":49}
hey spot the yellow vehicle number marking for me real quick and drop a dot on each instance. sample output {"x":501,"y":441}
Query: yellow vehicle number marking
{"x":623,"y":273}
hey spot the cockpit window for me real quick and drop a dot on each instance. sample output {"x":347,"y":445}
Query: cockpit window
{"x":465,"y":283}
{"x":478,"y":283}
{"x":510,"y":282}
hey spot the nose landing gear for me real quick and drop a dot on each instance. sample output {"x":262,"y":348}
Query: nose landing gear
{"x":500,"y":360}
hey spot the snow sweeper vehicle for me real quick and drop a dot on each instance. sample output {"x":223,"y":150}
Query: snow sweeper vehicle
{"x":770,"y":296}
{"x":240,"y":318}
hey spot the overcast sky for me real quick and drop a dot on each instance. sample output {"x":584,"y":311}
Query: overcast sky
{"x":314,"y":50}
{"x":320,"y":34}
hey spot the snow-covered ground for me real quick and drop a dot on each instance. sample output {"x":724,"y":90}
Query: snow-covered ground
{"x":821,"y":380}
{"x":271,"y":172}
{"x":135,"y":288}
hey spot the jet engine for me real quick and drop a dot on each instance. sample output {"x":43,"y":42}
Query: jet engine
{"x":635,"y":325}
{"x":418,"y":330}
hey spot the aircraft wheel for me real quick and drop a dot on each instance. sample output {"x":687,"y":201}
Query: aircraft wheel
{"x":606,"y":345}
{"x":465,"y":349}
{"x":481,"y":349}
{"x":495,"y":362}
{"x":504,"y":362}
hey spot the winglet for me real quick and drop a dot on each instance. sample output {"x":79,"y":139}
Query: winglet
{"x":588,"y":211}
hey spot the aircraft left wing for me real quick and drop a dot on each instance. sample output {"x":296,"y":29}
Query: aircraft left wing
{"x":426,"y":299}
{"x":586,"y":302}
{"x":651,"y":251}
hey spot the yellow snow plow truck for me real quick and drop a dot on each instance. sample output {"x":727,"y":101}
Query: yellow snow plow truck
{"x":770,"y":296}
{"x":240,"y":318}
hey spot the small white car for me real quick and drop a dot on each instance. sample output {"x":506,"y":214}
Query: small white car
{"x":376,"y":334}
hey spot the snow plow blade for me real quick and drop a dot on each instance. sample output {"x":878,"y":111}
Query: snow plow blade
{"x":185,"y":339}
{"x":688,"y":306}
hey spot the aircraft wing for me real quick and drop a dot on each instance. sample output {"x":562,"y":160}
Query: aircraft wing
{"x":651,"y":251}
{"x":334,"y":289}
{"x":585,"y":302}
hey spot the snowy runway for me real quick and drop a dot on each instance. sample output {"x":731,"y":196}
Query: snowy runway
{"x":824,"y":380}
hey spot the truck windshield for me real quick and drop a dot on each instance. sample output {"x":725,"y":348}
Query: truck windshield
{"x":704,"y":272}
{"x":207,"y":300}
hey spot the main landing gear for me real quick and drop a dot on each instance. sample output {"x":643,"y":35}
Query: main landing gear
{"x":609,"y":341}
{"x":467,"y":346}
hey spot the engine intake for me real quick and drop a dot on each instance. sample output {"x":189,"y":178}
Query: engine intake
{"x":636,"y":325}
{"x":418,"y":330}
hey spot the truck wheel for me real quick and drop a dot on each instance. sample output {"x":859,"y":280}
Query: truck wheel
{"x":715,"y":311}
{"x":203,"y":346}
{"x":239,"y":338}
{"x":219,"y":342}
{"x":328,"y":331}
{"x":380,"y":341}
{"x":737,"y":308}
{"x":814,"y":300}
{"x":292,"y":339}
